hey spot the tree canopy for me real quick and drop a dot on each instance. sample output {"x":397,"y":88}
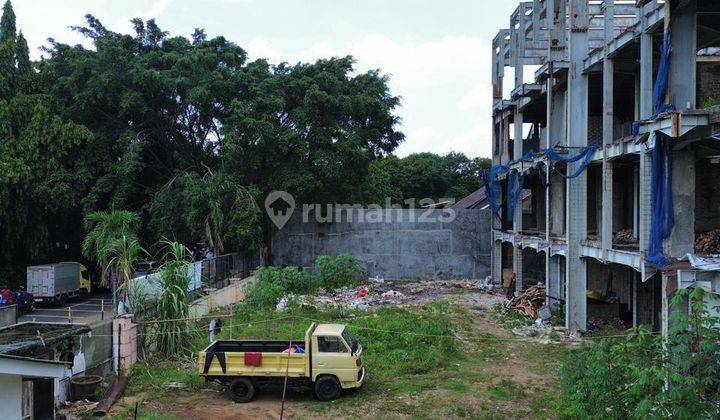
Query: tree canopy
{"x":190,"y":135}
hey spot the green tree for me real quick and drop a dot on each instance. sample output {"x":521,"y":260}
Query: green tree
{"x":422,"y":175}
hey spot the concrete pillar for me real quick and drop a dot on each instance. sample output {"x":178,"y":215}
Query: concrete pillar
{"x":496,"y":262}
{"x":553,"y":278}
{"x":11,"y":396}
{"x":682,"y":237}
{"x":606,"y":223}
{"x":518,"y":267}
{"x":682,"y":81}
{"x":577,"y":187}
{"x":646,"y":111}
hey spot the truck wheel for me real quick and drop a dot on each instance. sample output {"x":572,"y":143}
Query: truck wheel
{"x":327,"y":388}
{"x":241,"y":390}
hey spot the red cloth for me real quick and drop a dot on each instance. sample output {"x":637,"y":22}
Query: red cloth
{"x":361,"y":293}
{"x":253,"y":358}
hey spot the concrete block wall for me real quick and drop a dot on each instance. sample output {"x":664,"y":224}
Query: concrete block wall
{"x":406,"y":244}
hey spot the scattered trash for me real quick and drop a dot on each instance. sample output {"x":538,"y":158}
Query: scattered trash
{"x":544,"y":313}
{"x":366,"y":296}
{"x":376,"y":279}
{"x":174,"y":385}
{"x":76,"y":409}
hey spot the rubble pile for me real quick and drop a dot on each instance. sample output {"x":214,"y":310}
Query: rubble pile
{"x":379,"y":292}
{"x":624,"y":237}
{"x":528,"y":303}
{"x":708,"y":242}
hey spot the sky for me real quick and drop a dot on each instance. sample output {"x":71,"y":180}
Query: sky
{"x":435,"y":52}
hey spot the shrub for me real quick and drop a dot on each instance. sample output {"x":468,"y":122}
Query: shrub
{"x":263,"y":294}
{"x":275,"y":282}
{"x":340,"y":271}
{"x":624,"y":378}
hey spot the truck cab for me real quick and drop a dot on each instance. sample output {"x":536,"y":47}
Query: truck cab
{"x":329,"y":361}
{"x":336,"y":352}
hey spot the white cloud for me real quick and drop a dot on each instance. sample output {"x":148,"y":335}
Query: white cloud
{"x":157,"y":8}
{"x":259,"y":48}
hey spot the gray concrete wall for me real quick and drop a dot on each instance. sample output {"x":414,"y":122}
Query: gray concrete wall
{"x":399,"y":244}
{"x":8,"y":315}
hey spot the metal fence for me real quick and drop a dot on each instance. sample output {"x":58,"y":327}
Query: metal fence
{"x":217,"y":271}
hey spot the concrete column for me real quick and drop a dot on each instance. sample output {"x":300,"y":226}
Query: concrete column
{"x":682,"y":81}
{"x":646,"y":72}
{"x":553,"y":278}
{"x":577,"y":187}
{"x":11,"y":396}
{"x":496,"y":262}
{"x":644,"y":180}
{"x":646,"y":111}
{"x":606,"y":223}
{"x":682,"y":237}
{"x":518,"y":268}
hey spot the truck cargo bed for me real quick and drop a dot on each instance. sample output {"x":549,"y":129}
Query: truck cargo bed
{"x":259,"y":358}
{"x":262,"y":346}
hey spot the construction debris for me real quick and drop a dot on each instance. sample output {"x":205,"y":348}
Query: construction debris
{"x":79,"y":409}
{"x":624,"y":237}
{"x":365,"y":296}
{"x":708,"y":242}
{"x":529,"y":302}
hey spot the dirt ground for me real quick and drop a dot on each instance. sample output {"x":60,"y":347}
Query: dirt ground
{"x":505,"y":377}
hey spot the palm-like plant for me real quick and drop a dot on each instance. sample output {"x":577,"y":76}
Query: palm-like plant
{"x":111,"y":241}
{"x":222,"y":207}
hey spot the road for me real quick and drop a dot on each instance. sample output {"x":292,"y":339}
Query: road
{"x":83,"y":310}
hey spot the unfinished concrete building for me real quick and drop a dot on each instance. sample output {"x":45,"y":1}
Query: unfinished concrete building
{"x":608,"y":98}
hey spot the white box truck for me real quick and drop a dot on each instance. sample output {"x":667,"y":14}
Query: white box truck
{"x":55,"y":283}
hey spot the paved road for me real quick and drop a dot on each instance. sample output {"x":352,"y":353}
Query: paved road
{"x":83,"y":310}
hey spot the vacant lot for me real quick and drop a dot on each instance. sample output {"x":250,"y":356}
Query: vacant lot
{"x":448,"y":358}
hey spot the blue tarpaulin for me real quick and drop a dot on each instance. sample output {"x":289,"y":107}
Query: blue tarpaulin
{"x":661,"y":83}
{"x":584,"y":156}
{"x":515,"y":184}
{"x":663,"y":218}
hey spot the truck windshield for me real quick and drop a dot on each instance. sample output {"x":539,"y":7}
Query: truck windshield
{"x":350,"y":339}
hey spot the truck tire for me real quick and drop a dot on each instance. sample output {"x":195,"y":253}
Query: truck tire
{"x":327,"y":388}
{"x":241,"y":390}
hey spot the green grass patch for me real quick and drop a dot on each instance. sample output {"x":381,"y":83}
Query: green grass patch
{"x":152,"y":374}
{"x":456,"y":386}
{"x":490,"y":349}
{"x":506,"y":389}
{"x":543,"y":359}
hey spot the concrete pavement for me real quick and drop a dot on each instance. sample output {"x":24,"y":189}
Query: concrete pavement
{"x":83,"y":310}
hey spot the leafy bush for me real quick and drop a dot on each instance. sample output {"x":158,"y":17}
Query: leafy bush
{"x":644,"y":375}
{"x":340,"y":271}
{"x":263,"y":294}
{"x":275,"y":282}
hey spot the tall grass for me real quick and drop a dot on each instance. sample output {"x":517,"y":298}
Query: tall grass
{"x":172,"y":337}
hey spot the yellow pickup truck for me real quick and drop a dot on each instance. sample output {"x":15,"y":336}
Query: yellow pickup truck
{"x":328,"y":361}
